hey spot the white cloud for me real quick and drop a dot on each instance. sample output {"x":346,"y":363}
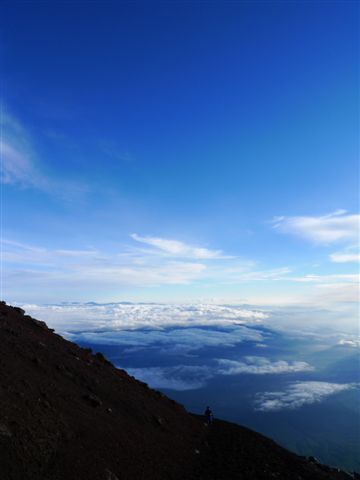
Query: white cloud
{"x":330,"y":307}
{"x":117,"y":317}
{"x":335,"y":227}
{"x":261,"y":366}
{"x":176,"y":248}
{"x":298,"y":394}
{"x":90,"y":271}
{"x":350,"y":342}
{"x":81,"y":269}
{"x":350,"y":254}
{"x":341,"y":257}
{"x":39,"y":274}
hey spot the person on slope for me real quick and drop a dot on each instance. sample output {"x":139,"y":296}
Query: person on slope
{"x":209,"y":417}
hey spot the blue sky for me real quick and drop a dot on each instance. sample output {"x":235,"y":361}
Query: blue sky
{"x":180,"y":152}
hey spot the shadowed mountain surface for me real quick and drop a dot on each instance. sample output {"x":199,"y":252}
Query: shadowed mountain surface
{"x":66,"y":414}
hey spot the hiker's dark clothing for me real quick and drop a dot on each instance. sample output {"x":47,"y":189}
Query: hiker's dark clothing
{"x":209,"y":415}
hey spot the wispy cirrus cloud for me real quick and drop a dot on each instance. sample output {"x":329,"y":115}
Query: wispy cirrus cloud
{"x":332,"y":278}
{"x":24,"y":253}
{"x":240,"y":271}
{"x":298,"y":394}
{"x":343,"y":257}
{"x":338,"y":226}
{"x":89,"y":268}
{"x":82,"y":276}
{"x":22,"y":167}
{"x":177,"y":248}
{"x":19,"y":162}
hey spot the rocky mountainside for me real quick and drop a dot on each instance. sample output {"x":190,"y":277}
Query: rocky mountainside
{"x":66,"y":414}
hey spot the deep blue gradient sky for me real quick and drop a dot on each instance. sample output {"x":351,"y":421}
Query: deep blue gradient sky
{"x":191,"y":125}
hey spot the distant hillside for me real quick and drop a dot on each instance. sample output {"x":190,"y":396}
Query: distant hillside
{"x":66,"y":414}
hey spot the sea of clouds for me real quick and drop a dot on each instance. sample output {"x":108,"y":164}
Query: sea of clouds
{"x":191,"y":329}
{"x":128,"y":316}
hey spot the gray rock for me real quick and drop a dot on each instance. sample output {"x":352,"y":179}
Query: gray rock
{"x":19,"y":310}
{"x":4,"y":431}
{"x":109,"y":475}
{"x":93,"y":400}
{"x":40,"y":324}
{"x":313,"y":460}
{"x":159,"y":420}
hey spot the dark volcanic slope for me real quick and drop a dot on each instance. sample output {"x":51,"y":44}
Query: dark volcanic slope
{"x":70,"y":415}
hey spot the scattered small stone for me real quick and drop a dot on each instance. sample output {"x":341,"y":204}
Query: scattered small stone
{"x":197,"y":452}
